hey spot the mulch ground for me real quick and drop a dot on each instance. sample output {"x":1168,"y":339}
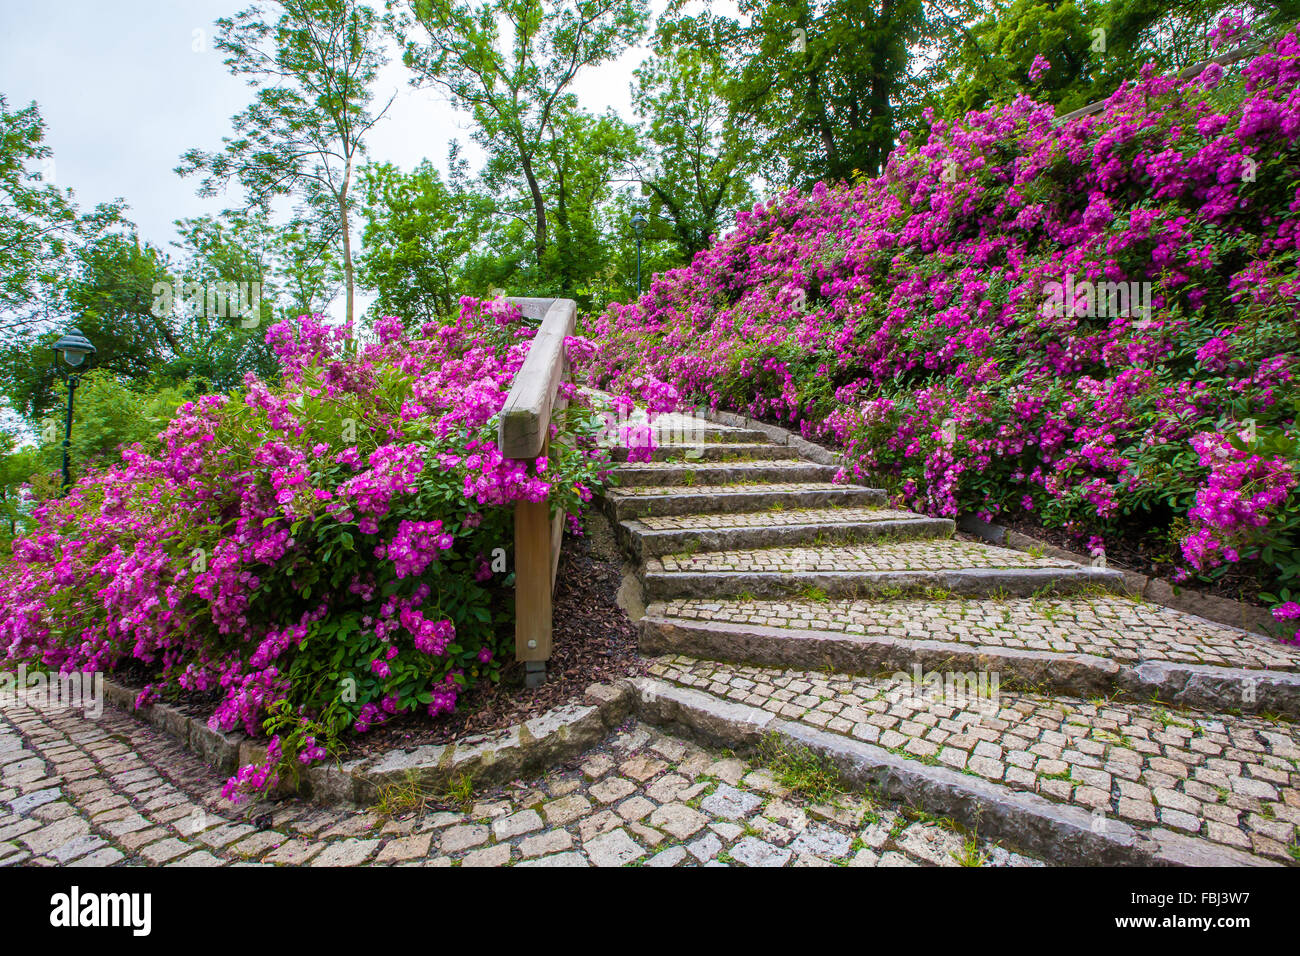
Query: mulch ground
{"x":594,"y":642}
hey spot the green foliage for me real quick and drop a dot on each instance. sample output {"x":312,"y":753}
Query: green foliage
{"x":1092,"y":46}
{"x":421,"y":240}
{"x":312,"y":69}
{"x":510,"y":65}
{"x":109,"y":290}
{"x":110,"y":414}
{"x":37,"y":220}
{"x":18,"y":465}
{"x":698,"y":169}
{"x":821,"y":80}
{"x":808,"y":774}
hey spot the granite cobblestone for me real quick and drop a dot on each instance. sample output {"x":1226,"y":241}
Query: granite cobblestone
{"x":149,"y":801}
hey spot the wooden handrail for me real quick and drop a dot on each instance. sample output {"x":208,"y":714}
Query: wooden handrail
{"x":524,"y":434}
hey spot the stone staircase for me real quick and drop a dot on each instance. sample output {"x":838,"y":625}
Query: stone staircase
{"x":1086,"y":726}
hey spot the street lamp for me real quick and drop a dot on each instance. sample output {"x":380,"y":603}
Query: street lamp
{"x":74,"y":348}
{"x":638,"y":226}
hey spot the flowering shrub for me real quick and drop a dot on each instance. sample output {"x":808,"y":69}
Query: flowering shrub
{"x":318,"y":553}
{"x":1092,"y":322}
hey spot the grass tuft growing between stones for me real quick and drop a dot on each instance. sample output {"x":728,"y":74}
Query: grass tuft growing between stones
{"x":800,"y":770}
{"x":398,"y":799}
{"x":971,"y":853}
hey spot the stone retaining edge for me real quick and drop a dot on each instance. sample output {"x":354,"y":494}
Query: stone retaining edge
{"x":970,"y":582}
{"x":533,"y":746}
{"x":1029,"y":822}
{"x":1200,"y":686}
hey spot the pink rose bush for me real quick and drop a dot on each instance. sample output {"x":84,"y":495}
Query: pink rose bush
{"x":309,"y":553}
{"x":1092,"y":322}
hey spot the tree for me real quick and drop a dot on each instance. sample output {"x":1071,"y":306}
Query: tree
{"x":222,"y":337}
{"x":110,"y":413}
{"x":312,"y":274}
{"x":1091,"y":46}
{"x":17,"y":467}
{"x":580,"y":165}
{"x":108,"y":294}
{"x":421,"y":237}
{"x":38,"y":222}
{"x":821,"y":81}
{"x":42,"y":235}
{"x":302,"y":135}
{"x":515,"y":85}
{"x":700,"y":163}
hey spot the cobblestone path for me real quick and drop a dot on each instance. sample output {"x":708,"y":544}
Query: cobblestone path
{"x":766,"y":584}
{"x":112,"y":791}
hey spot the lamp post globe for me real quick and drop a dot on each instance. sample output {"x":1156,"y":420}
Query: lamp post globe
{"x":72,"y":350}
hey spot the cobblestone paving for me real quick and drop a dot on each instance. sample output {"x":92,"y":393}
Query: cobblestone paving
{"x":724,"y":452}
{"x":739,"y":466}
{"x":930,"y":555}
{"x":1109,"y":627}
{"x":81,"y":792}
{"x":1234,"y":780}
{"x":773,"y":518}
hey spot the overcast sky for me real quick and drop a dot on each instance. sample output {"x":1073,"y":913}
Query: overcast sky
{"x":126,"y":86}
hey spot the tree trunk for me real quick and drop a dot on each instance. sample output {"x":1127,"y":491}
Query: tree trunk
{"x":539,"y":204}
{"x":347,"y":238}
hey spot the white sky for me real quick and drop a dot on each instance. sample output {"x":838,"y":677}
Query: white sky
{"x":124,"y":92}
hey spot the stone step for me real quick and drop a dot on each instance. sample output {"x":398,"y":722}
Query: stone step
{"x":674,"y":474}
{"x":1086,"y":646}
{"x":1068,"y":780}
{"x":693,"y":433}
{"x":637,"y":502}
{"x":964,"y":568}
{"x":653,"y":536}
{"x":711,"y":452}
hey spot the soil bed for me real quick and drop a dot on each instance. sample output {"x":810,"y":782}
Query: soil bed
{"x":594,"y":642}
{"x":1147,"y":555}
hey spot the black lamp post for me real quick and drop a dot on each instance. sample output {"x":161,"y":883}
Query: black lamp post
{"x":74,"y":348}
{"x":638,"y":226}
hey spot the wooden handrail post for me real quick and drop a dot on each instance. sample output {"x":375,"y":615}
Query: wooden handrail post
{"x":524,"y":435}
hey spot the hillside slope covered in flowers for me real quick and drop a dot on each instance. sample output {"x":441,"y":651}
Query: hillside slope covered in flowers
{"x":318,"y":550}
{"x":1092,"y":324}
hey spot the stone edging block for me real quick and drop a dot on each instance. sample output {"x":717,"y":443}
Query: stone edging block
{"x":532,"y":747}
{"x":217,"y":748}
{"x":1027,"y":821}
